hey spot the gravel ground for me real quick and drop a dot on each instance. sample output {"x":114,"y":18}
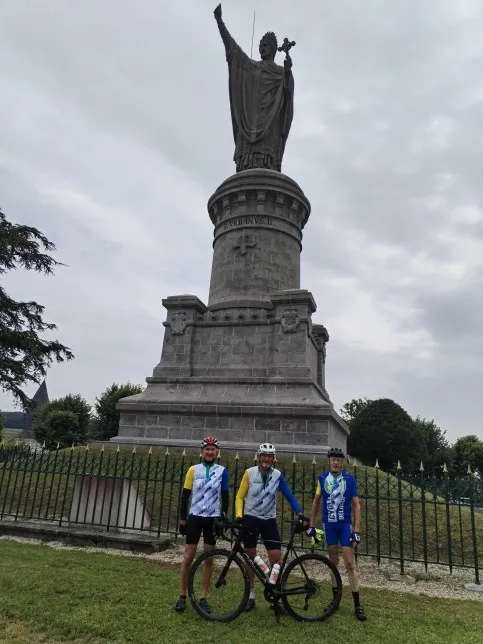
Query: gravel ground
{"x":436,"y":582}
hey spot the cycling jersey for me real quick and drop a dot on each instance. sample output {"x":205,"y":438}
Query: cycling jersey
{"x":206,"y":481}
{"x":257,"y":494}
{"x":337,"y":493}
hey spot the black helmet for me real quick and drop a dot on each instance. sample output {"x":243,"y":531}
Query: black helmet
{"x":335,"y":451}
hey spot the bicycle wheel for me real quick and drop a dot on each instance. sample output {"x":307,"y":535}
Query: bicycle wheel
{"x":309,"y":580}
{"x":219,"y":577}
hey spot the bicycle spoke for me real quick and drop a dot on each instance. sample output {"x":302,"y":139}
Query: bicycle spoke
{"x":218,"y":585}
{"x":307,"y":588}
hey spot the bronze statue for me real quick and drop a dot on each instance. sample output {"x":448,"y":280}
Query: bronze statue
{"x":261,"y":100}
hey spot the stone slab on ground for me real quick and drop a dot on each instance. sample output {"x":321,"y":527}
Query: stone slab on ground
{"x":476,"y":588}
{"x":85,"y":536}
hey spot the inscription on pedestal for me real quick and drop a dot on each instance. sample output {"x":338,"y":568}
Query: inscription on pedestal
{"x":248,"y":220}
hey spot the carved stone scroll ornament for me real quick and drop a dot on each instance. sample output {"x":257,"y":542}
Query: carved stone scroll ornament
{"x":178,"y":323}
{"x":290,"y":321}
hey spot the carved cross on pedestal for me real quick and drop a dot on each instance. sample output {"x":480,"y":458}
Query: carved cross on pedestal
{"x":243,"y":243}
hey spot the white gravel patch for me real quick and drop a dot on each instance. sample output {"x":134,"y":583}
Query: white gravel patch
{"x":436,"y":582}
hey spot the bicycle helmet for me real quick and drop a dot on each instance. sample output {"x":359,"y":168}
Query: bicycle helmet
{"x":335,"y":452}
{"x":267,"y":448}
{"x":210,"y":440}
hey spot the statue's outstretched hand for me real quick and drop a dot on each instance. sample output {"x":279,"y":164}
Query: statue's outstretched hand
{"x":217,"y":12}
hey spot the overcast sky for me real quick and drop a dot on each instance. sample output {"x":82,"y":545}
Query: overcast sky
{"x":115,"y":130}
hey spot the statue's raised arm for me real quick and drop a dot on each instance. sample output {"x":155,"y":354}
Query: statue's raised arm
{"x":261,"y":100}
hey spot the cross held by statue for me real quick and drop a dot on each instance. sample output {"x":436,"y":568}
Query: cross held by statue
{"x":287,"y":46}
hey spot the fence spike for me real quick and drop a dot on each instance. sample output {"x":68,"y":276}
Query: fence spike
{"x":134,"y":449}
{"x":184,"y":452}
{"x":445,"y":469}
{"x":118,"y":448}
{"x":102,"y":448}
{"x":58,"y":445}
{"x":377,"y":464}
{"x":468,"y":471}
{"x":294,"y":460}
{"x":150,"y":453}
{"x":421,"y":467}
{"x":314,"y":462}
{"x":255,"y":458}
{"x":16,"y":443}
{"x":398,"y":465}
{"x":236,"y":456}
{"x":2,"y":444}
{"x":219,"y":454}
{"x":87,"y":447}
{"x":167,"y":452}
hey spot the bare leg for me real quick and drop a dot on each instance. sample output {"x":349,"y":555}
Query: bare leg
{"x":334,"y":557}
{"x":350,"y":566}
{"x":274,"y":556}
{"x":207,"y":572}
{"x":188,"y":556}
{"x":252,"y":553}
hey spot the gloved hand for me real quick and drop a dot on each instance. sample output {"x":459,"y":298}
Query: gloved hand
{"x":310,"y":532}
{"x":355,"y":537}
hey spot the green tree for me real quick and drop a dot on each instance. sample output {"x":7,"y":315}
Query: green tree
{"x":24,"y":355}
{"x":468,"y":450}
{"x":352,"y":408}
{"x":105,"y":423}
{"x":438,"y":450}
{"x":49,"y":425}
{"x":384,"y":430}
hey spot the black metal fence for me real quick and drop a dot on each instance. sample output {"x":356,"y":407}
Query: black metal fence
{"x":406,"y":516}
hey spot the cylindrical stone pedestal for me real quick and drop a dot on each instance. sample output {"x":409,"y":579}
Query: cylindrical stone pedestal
{"x":258,"y":217}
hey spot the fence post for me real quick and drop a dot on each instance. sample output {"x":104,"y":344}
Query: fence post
{"x":473,"y":526}
{"x":448,"y":518}
{"x":400,"y":507}
{"x":378,"y":518}
{"x":423,"y":517}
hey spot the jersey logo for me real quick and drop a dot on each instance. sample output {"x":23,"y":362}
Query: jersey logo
{"x":335,"y":488}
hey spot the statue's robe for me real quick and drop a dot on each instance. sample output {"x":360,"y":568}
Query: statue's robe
{"x":261,"y":102}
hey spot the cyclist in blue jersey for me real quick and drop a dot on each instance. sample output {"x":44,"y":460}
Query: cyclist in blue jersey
{"x":256,"y":508}
{"x":340,"y":504}
{"x":207,"y":484}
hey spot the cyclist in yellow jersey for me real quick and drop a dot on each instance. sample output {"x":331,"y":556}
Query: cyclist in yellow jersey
{"x":256,"y":508}
{"x":207,"y":484}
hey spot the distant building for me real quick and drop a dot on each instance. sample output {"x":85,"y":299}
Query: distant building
{"x":40,"y":399}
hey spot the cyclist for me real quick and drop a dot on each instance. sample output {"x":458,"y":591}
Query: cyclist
{"x":207,"y":482}
{"x":340,"y":500}
{"x":255,"y":508}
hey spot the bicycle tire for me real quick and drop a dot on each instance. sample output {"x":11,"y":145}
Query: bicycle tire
{"x":333,"y":605}
{"x":219,"y":552}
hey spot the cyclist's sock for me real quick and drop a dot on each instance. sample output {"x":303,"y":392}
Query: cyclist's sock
{"x":356,"y":599}
{"x":252,"y":594}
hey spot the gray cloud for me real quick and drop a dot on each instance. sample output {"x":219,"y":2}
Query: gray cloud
{"x":115,"y":130}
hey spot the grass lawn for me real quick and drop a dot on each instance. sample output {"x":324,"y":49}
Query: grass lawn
{"x":75,"y":597}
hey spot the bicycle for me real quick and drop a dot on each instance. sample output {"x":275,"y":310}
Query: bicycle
{"x":306,"y":577}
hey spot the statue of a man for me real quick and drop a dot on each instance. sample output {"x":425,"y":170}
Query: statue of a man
{"x":261,"y":101}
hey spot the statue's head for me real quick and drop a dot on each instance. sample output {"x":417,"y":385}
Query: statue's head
{"x":268,"y":46}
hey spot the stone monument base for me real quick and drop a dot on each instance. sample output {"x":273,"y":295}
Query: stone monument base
{"x":247,"y":377}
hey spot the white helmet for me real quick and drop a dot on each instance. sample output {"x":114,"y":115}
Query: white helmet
{"x":267,"y":448}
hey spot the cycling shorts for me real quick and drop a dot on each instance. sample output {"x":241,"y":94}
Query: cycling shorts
{"x":267,"y":529}
{"x":336,"y":533}
{"x":195,"y":526}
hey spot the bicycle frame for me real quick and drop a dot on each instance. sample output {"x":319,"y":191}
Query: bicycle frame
{"x":238,"y":549}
